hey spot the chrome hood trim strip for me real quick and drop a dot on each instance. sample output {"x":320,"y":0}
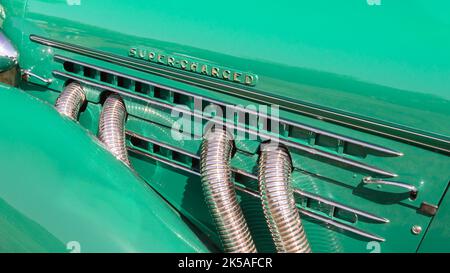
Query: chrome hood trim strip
{"x":305,"y":212}
{"x":301,"y":147}
{"x":389,"y":130}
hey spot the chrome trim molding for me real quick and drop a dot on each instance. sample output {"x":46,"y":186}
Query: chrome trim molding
{"x":26,"y":74}
{"x":303,"y":211}
{"x":322,"y":219}
{"x":387,"y":130}
{"x":254,"y":177}
{"x":342,"y":206}
{"x":370,"y":146}
{"x":294,"y":145}
{"x":341,"y":225}
{"x":162,"y":144}
{"x":411,"y":188}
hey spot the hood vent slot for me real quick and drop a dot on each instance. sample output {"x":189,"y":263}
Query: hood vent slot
{"x":340,"y":216}
{"x":340,"y":149}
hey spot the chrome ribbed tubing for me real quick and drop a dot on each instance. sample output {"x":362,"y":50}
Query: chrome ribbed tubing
{"x":278,"y":201}
{"x":220,"y":195}
{"x":70,"y":100}
{"x":112,"y":127}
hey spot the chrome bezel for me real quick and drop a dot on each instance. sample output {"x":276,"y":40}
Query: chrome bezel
{"x":8,"y":54}
{"x":8,"y":61}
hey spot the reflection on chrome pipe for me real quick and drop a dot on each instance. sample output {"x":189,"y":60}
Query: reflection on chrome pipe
{"x":8,"y":54}
{"x":112,"y":127}
{"x":278,"y":201}
{"x":220,"y":193}
{"x":70,"y":100}
{"x":8,"y":61}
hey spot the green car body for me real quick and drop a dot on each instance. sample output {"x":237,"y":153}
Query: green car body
{"x":365,"y":82}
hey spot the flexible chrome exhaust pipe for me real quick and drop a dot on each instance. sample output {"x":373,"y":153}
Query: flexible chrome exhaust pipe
{"x":70,"y":100}
{"x":220,"y":195}
{"x":112,"y":127}
{"x":278,"y":201}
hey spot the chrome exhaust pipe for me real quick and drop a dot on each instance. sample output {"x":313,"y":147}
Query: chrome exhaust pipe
{"x":112,"y":127}
{"x":280,"y":210}
{"x":220,"y":195}
{"x":70,"y":100}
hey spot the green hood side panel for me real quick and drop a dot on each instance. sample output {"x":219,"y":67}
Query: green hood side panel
{"x":59,"y":185}
{"x":388,"y":63}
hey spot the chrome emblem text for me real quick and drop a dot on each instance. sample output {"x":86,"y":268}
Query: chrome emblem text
{"x":193,"y":65}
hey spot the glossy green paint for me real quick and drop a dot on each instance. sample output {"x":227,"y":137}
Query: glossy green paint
{"x":417,"y":167}
{"x":387,"y":63}
{"x":60,"y":185}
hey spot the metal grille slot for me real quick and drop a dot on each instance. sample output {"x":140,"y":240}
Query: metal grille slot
{"x":294,"y":129}
{"x":345,"y":119}
{"x":172,"y":161}
{"x":308,"y":139}
{"x":166,"y":97}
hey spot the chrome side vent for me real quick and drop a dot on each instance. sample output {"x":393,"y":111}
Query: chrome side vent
{"x":188,"y":162}
{"x":341,"y":150}
{"x":298,"y":132}
{"x":333,"y":147}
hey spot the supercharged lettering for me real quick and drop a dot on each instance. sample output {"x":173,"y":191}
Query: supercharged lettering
{"x":195,"y":66}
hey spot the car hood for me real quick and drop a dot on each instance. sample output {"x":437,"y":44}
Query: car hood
{"x":379,"y":64}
